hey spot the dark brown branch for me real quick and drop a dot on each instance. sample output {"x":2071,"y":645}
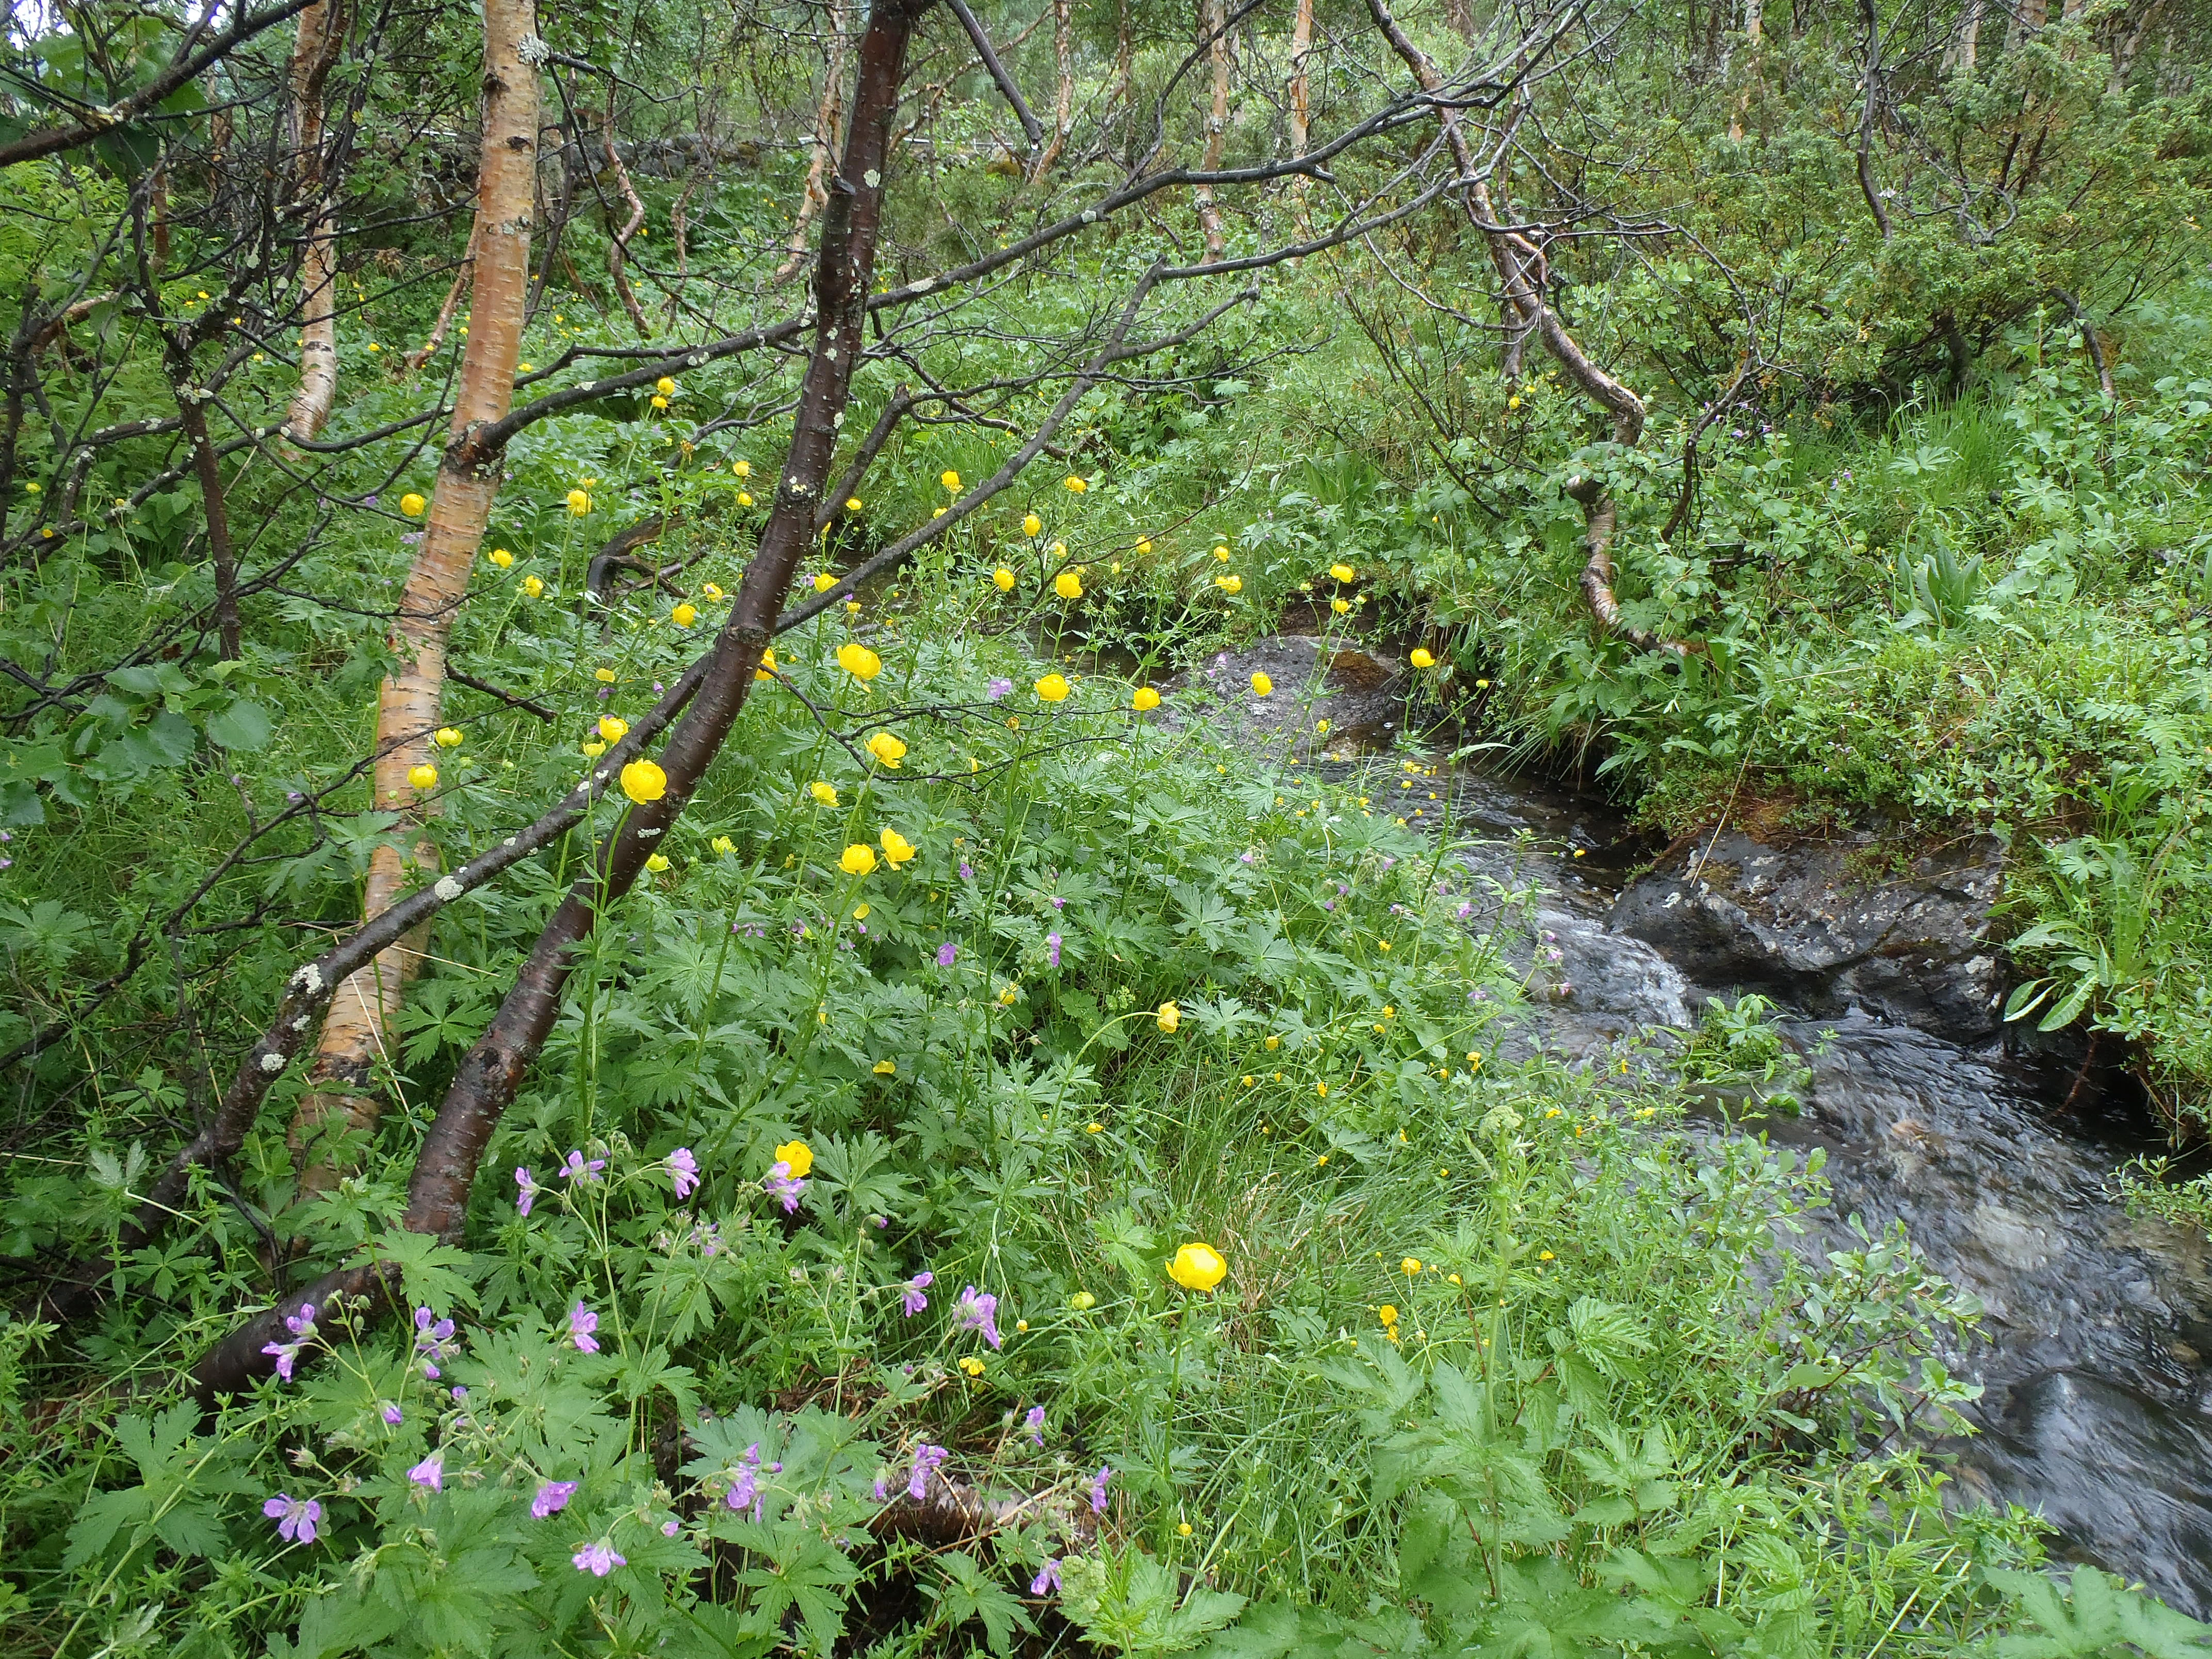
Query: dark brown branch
{"x":1005,"y":81}
{"x":51,"y":141}
{"x":489,"y":1076}
{"x":507,"y":698}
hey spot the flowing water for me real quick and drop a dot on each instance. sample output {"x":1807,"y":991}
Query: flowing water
{"x":2097,"y":1402}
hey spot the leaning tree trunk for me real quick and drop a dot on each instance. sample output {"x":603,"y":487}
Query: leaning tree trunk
{"x":1063,"y":102}
{"x":492,"y":1072}
{"x":322,"y":30}
{"x":342,"y":1094}
{"x":1521,"y":267}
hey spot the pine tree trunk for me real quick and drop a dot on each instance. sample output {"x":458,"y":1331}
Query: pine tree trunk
{"x":354,"y":1031}
{"x":1301,"y":96}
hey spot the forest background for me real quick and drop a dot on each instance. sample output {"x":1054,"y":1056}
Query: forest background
{"x":632,"y":1025}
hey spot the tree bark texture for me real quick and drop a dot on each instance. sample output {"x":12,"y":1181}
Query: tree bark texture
{"x":342,"y":1097}
{"x":1213,"y":28}
{"x":322,"y":32}
{"x":491,"y":1074}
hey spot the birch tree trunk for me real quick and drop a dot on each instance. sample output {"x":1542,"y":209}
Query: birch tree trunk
{"x":322,"y":30}
{"x":489,"y":1076}
{"x":354,"y":1037}
{"x":1212,"y":26}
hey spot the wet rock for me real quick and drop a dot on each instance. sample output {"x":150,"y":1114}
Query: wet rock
{"x":1361,"y":697}
{"x":2125,"y":1479}
{"x":1816,"y":924}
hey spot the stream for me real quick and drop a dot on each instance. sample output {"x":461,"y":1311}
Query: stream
{"x":2097,"y":1402}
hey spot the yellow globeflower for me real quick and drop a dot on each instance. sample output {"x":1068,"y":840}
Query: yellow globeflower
{"x":824,"y":582}
{"x":1410,"y":1266}
{"x":612,"y":728}
{"x":852,"y":503}
{"x":1262,"y":685}
{"x":412,"y":505}
{"x":887,"y":749}
{"x":897,"y":850}
{"x":1074,"y":485}
{"x":580,"y":503}
{"x":424,"y":776}
{"x":1340,"y":606}
{"x":744,"y":499}
{"x":1273,"y":1043}
{"x":1143,"y":544}
{"x":1067,"y":585}
{"x":825,"y":793}
{"x":708,"y":591}
{"x":950,"y":479}
{"x":659,"y":402}
{"x":723,"y":845}
{"x":741,"y":468}
{"x":767,"y":669}
{"x":684,"y":614}
{"x":502,"y":557}
{"x":1053,"y":688}
{"x":604,"y":676}
{"x":1146,"y":699}
{"x":533,"y":587}
{"x":1169,"y":1016}
{"x":1343,"y":572}
{"x":643,"y":781}
{"x":447,"y":737}
{"x":859,"y":661}
{"x":1221,"y":555}
{"x":1032,"y":525}
{"x":885,"y":1068}
{"x":1386,"y":1314}
{"x":1004,"y":578}
{"x":859,"y":860}
{"x":1198,"y":1268}
{"x":797,"y":1155}
{"x":593,"y":750}
{"x":665,"y":387}
{"x":1422,"y":657}
{"x":1231,"y":584}
{"x":655,"y":862}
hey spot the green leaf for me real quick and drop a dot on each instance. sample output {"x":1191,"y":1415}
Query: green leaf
{"x":244,"y":726}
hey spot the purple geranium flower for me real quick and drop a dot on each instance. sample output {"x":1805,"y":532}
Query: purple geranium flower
{"x":391,"y":1414}
{"x":431,"y":1473}
{"x":1048,"y":1579}
{"x":1000,"y":687}
{"x":432,"y":1340}
{"x":582,"y":1321}
{"x":967,"y":872}
{"x":577,"y":1169}
{"x":1098,"y":1488}
{"x":526,"y":1189}
{"x":295,"y":1517}
{"x":599,"y":1559}
{"x":303,"y":1327}
{"x":1052,"y":949}
{"x":1035,"y":1424}
{"x":913,"y":1302}
{"x":552,"y":1497}
{"x":685,"y":1169}
{"x":978,"y":1311}
{"x":928,"y":1460}
{"x":784,"y":1185}
{"x":947,"y":953}
{"x":745,"y":1482}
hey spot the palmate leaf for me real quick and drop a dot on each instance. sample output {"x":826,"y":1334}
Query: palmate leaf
{"x":966,"y":1593}
{"x":2098,"y":1616}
